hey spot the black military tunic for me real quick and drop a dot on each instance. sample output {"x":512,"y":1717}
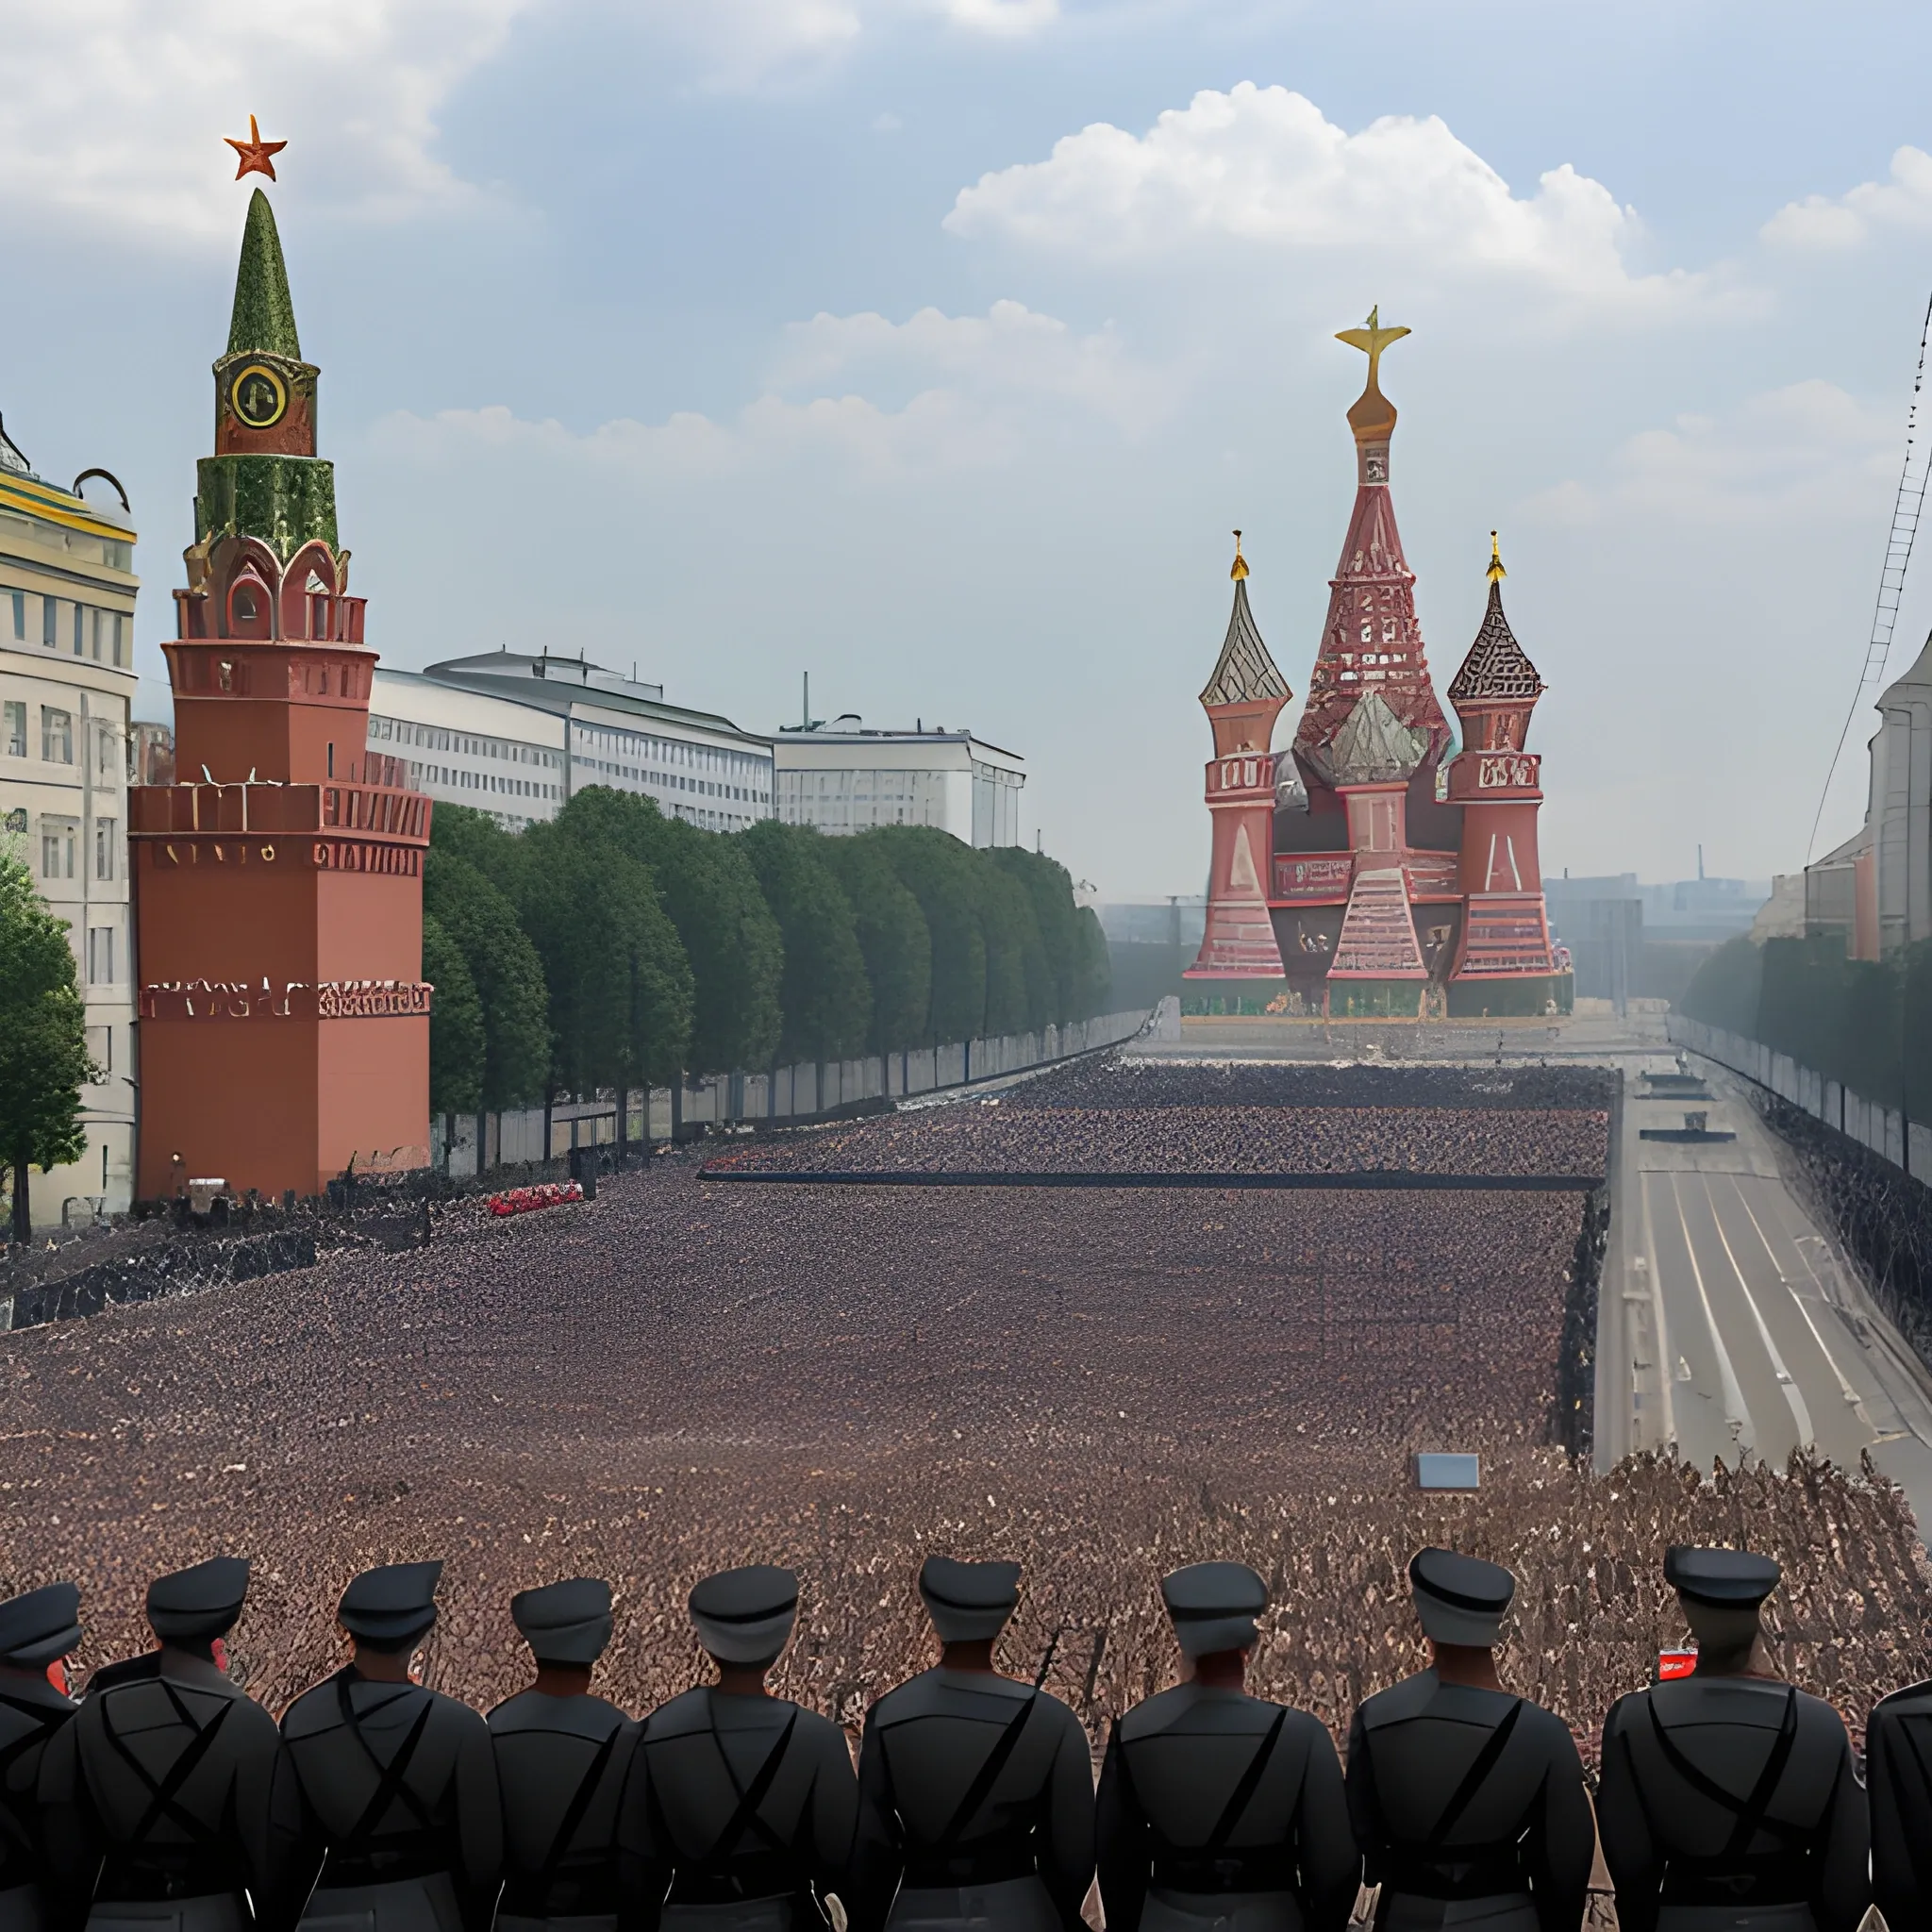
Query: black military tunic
{"x":168,"y":1804}
{"x":399,"y":1809}
{"x":1728,"y":1799}
{"x":561,"y":1761}
{"x":1731,"y":1801}
{"x":1216,"y":1805}
{"x":35,"y":1630}
{"x":740,"y":1808}
{"x":1898,"y":1775}
{"x":1472,"y":1799}
{"x":400,"y":1812}
{"x":975,"y":1800}
{"x":560,"y":1766}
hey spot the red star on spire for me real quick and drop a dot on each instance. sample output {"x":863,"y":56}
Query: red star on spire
{"x":256,"y":152}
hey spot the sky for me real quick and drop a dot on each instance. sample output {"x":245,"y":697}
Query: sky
{"x":934,"y":348}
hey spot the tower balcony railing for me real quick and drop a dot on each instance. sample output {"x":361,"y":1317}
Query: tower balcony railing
{"x":158,"y":811}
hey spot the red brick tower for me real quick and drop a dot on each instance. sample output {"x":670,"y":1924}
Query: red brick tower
{"x":1242,"y":699}
{"x":278,"y":890}
{"x":1503,"y":963}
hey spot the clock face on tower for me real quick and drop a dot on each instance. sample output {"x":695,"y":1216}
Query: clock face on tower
{"x":257,"y":396}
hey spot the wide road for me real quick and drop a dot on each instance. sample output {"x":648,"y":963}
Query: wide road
{"x":1744,"y":1329}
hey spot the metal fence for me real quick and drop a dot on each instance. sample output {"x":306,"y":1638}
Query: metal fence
{"x":1883,"y":1130}
{"x":784,"y":1096}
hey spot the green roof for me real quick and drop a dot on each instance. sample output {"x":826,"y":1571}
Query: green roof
{"x":264,"y":318}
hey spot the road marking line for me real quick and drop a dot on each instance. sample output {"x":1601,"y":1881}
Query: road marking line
{"x":1794,"y":1398}
{"x":1736,"y":1413}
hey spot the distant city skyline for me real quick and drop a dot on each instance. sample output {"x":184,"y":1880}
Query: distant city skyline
{"x":934,"y":347}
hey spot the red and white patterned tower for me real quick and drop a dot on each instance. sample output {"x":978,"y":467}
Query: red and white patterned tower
{"x":1505,"y":946}
{"x":1242,"y":700}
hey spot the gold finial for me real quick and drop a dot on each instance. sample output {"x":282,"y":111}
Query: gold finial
{"x":1371,"y":340}
{"x":1240,"y":567}
{"x":1495,"y":571}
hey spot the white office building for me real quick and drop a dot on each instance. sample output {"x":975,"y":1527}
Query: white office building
{"x":515,"y":736}
{"x":842,"y":777}
{"x":67,"y":587}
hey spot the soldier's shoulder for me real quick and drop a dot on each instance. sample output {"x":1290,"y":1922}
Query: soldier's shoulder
{"x":1157,"y":1713}
{"x":1410,"y":1698}
{"x":318,"y":1708}
{"x":1543,"y":1727}
{"x":535,"y":1711}
{"x":689,"y":1711}
{"x":916,"y":1697}
{"x":816,"y":1731}
{"x":1909,"y":1700}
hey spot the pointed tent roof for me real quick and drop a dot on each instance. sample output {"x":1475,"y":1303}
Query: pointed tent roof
{"x":1244,"y":674}
{"x":265,"y":317}
{"x":1496,"y":669}
{"x":1375,"y":747}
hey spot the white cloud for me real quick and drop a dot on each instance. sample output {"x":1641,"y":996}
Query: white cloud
{"x":1847,"y":220}
{"x":1809,"y":452}
{"x":115,"y":110}
{"x":979,"y":390}
{"x":1010,"y":353}
{"x":740,"y":43}
{"x":1264,"y":168}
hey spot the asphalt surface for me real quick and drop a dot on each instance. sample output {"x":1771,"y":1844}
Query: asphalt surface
{"x":1745,"y":1331}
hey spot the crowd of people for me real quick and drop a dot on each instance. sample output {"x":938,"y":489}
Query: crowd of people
{"x":996,"y":1137}
{"x":683,"y":1375}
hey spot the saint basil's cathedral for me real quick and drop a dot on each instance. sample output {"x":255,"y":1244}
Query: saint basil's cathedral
{"x":1375,"y":868}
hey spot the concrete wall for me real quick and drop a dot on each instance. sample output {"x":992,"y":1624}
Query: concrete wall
{"x":1882,"y":1129}
{"x":799,"y":1094}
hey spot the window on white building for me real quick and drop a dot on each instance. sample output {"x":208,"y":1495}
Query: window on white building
{"x":59,"y":838}
{"x":19,"y":617}
{"x":56,"y":736}
{"x":104,"y":848}
{"x":100,"y":956}
{"x":13,"y":728}
{"x":50,"y":623}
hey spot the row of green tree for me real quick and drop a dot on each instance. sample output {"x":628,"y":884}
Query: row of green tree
{"x":1866,"y":1024}
{"x":615,"y":948}
{"x":43,"y":1055}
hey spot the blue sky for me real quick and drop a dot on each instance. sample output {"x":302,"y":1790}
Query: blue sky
{"x":934,"y":346}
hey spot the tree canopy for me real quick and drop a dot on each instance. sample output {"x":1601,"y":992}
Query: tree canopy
{"x":825,"y":997}
{"x":504,"y":972}
{"x":456,"y":1024}
{"x":893,"y":936}
{"x":43,"y":1056}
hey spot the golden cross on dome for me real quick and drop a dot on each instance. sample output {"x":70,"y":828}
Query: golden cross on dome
{"x":1240,"y":567}
{"x":1371,"y":340}
{"x":257,"y":153}
{"x":1495,"y":571}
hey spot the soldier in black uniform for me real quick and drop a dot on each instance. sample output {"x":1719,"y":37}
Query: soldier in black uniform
{"x":1218,"y":1812}
{"x":1468,"y":1803}
{"x":975,"y":1792}
{"x":1898,"y":1774}
{"x":37,"y":1630}
{"x":562,"y":1760}
{"x":167,"y":1802}
{"x":399,"y":1802}
{"x":1728,"y":1798}
{"x":741,"y":1804}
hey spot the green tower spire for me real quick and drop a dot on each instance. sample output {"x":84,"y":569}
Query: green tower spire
{"x":264,"y":318}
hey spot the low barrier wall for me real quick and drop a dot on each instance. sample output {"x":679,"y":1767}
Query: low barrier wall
{"x":1883,"y":1130}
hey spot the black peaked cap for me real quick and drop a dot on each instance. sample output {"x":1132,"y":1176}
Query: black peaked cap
{"x":40,"y":1626}
{"x":198,"y":1603}
{"x":393,"y":1602}
{"x":750,"y":1596}
{"x":1213,"y":1589}
{"x":1733,"y":1579}
{"x":971,"y":1586}
{"x":1464,"y":1583}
